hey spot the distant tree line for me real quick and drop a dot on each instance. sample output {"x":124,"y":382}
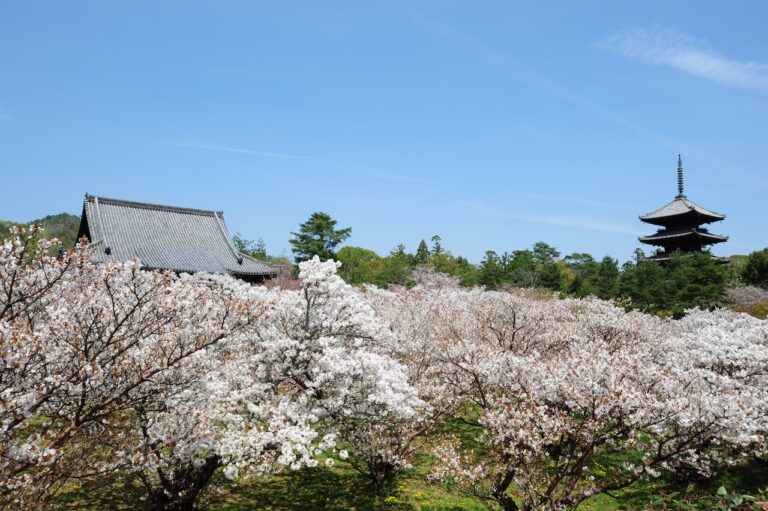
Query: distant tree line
{"x":693,"y":280}
{"x":683,"y":282}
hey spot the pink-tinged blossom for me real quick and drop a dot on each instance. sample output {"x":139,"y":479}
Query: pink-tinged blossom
{"x":555,"y":386}
{"x":171,"y":378}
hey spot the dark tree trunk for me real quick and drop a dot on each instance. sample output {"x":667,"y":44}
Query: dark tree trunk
{"x":181,"y":492}
{"x":381,"y":472}
{"x":500,"y":493}
{"x":506,"y":502}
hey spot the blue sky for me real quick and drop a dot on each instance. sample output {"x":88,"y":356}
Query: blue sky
{"x":493,"y":124}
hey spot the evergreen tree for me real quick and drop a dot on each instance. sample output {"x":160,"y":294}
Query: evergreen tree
{"x":318,"y":236}
{"x":755,"y":270}
{"x":257,"y":249}
{"x":551,"y":276}
{"x":683,"y":282}
{"x":522,"y":269}
{"x":698,"y":280}
{"x":437,"y":248}
{"x":422,"y":253}
{"x":360,"y":265}
{"x":397,"y":267}
{"x":491,"y":273}
{"x":607,"y":278}
{"x":544,"y":253}
{"x":583,"y":269}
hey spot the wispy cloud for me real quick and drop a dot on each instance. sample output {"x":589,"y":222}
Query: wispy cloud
{"x":577,"y":200}
{"x":684,"y":52}
{"x":524,"y":72}
{"x":339,"y":165}
{"x":239,"y":150}
{"x":591,"y":224}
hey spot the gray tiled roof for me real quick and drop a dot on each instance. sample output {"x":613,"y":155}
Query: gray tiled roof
{"x":164,"y":237}
{"x":681,"y":206}
{"x":683,"y":233}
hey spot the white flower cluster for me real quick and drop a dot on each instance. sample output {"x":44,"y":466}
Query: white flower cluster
{"x":109,"y":367}
{"x":557,"y":385}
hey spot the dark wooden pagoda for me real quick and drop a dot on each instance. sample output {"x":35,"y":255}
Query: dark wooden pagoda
{"x":680,"y":224}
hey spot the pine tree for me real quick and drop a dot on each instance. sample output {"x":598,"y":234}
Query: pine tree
{"x":607,"y":278}
{"x":318,"y":237}
{"x":437,"y":247}
{"x":422,"y":253}
{"x":491,"y":272}
{"x":755,"y":272}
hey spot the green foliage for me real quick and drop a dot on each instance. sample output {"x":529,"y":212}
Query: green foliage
{"x":755,"y":270}
{"x":341,"y":487}
{"x":257,"y":249}
{"x":691,"y":500}
{"x":491,"y":271}
{"x":363,"y":266}
{"x":760,"y":311}
{"x":397,"y":267}
{"x":437,"y":248}
{"x":422,"y":253}
{"x":360,"y":266}
{"x":683,"y":282}
{"x":445,"y":262}
{"x":582,"y":270}
{"x":607,"y":278}
{"x":539,"y":267}
{"x":318,"y":236}
{"x":62,"y":226}
{"x":592,"y":278}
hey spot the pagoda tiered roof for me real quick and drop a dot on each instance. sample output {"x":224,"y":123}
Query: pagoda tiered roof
{"x":678,"y":208}
{"x":680,"y":224}
{"x":665,"y":236}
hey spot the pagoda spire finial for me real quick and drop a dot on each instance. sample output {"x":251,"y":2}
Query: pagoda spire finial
{"x":680,"y":176}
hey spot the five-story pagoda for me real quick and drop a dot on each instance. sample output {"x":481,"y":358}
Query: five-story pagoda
{"x":680,"y":224}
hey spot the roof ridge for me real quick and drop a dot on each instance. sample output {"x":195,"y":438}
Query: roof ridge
{"x":147,"y":205}
{"x":693,"y":205}
{"x":688,"y":204}
{"x":246,"y":256}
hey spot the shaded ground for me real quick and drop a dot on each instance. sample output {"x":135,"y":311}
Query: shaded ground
{"x":341,"y":488}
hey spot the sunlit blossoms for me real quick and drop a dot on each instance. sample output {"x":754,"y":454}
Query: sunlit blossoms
{"x":169,"y":379}
{"x":109,"y":367}
{"x":556,"y":387}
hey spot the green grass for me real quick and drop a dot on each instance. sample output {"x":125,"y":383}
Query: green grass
{"x":342,"y":488}
{"x":339,"y":488}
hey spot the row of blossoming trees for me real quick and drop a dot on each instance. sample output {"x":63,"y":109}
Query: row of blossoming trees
{"x":168,"y":379}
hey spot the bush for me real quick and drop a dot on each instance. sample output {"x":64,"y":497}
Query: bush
{"x":690,"y":500}
{"x":755,"y":270}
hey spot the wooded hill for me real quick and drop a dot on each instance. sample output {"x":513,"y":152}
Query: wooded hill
{"x":63,"y":226}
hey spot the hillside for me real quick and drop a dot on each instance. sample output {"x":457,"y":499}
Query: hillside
{"x":63,"y":226}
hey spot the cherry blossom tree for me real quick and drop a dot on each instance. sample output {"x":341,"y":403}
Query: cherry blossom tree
{"x":558,"y":387}
{"x":110,"y":367}
{"x":83,"y":346}
{"x":331,"y":349}
{"x":312,"y":367}
{"x":171,"y":378}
